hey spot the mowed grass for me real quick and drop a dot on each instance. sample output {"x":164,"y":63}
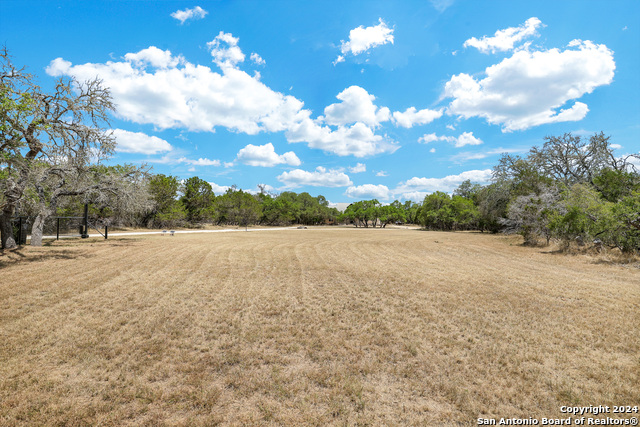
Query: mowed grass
{"x":311,"y":327}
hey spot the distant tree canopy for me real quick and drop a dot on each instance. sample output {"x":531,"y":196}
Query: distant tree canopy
{"x":193,"y":202}
{"x":372,"y":213}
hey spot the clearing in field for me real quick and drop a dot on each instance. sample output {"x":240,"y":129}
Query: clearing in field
{"x":312,"y":327}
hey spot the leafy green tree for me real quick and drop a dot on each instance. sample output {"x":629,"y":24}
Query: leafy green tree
{"x":411,"y":211}
{"x":436,"y":212}
{"x":583,"y":215}
{"x":361,"y":213}
{"x":627,"y":215}
{"x":616,"y":184}
{"x":168,"y":211}
{"x":290,"y":200}
{"x":246,"y":210}
{"x":391,"y":214}
{"x":238,"y":207}
{"x":277,"y":211}
{"x":198,"y":200}
{"x":466,"y":214}
{"x":520,"y":176}
{"x":468,"y":190}
{"x":439,"y":211}
{"x":309,"y":209}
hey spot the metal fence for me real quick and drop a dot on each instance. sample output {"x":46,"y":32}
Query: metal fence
{"x":21,"y":227}
{"x":58,"y":226}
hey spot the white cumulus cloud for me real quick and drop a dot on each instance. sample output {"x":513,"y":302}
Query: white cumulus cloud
{"x":447,"y":184}
{"x":466,"y":138}
{"x":186,"y":95}
{"x":225,"y":50}
{"x":266,"y":156}
{"x":201,"y":162}
{"x":218,"y":189}
{"x":506,"y":39}
{"x":184,"y":15}
{"x":530,"y":88}
{"x":358,"y":140}
{"x":138,"y":142}
{"x":368,"y":191}
{"x":155,"y":87}
{"x":358,"y":168}
{"x":413,"y":117}
{"x":356,"y":106}
{"x":257,"y":59}
{"x":362,"y":39}
{"x":416,"y":196}
{"x":321,"y":177}
{"x":155,"y":57}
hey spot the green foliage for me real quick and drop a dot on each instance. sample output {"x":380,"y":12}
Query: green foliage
{"x":168,"y":210}
{"x":411,"y":211}
{"x":522,"y":176}
{"x":441,"y":212}
{"x":238,"y":208}
{"x":392,"y":213}
{"x":583,"y":215}
{"x":436,"y":212}
{"x":616,"y":184}
{"x":626,"y":214}
{"x":277,"y":211}
{"x":466,"y":213}
{"x":363,"y":213}
{"x":468,"y":190}
{"x":197,"y":198}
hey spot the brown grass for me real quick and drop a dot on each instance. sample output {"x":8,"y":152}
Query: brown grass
{"x":311,"y":327}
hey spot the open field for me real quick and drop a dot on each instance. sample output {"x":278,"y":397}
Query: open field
{"x":311,"y":327}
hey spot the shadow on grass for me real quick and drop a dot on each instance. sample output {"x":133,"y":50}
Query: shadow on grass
{"x":58,"y":250}
{"x":20,"y":255}
{"x":594,"y":256}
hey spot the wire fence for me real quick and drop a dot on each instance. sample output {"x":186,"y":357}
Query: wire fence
{"x":58,"y":226}
{"x":21,"y":227}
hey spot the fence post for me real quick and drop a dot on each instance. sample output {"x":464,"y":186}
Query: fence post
{"x":85,"y":233}
{"x":20,"y":231}
{"x":106,"y":231}
{"x":58,"y":229}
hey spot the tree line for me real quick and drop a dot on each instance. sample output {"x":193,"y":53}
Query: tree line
{"x":571,"y":189}
{"x":193,"y":202}
{"x":53,"y":147}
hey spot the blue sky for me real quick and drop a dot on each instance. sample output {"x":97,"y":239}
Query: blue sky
{"x":351,"y":100}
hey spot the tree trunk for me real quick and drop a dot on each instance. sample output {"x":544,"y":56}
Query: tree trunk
{"x":6,"y":231}
{"x":36,"y":230}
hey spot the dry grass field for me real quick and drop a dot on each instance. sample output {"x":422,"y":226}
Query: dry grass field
{"x":327,"y":326}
